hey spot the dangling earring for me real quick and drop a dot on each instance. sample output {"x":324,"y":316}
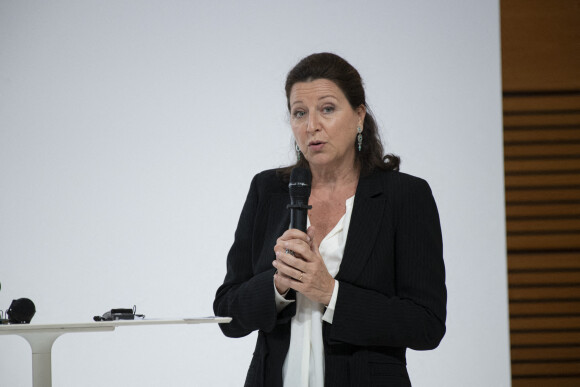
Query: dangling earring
{"x":297,"y":150}
{"x":359,"y":137}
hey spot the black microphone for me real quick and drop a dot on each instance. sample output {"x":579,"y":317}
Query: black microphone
{"x":299,"y":186}
{"x":21,"y":311}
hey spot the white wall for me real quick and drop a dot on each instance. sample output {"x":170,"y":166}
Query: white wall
{"x":130,"y":130}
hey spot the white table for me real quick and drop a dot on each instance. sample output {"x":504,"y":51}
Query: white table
{"x":42,"y":336}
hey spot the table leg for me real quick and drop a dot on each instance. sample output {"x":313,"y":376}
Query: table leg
{"x":41,"y":345}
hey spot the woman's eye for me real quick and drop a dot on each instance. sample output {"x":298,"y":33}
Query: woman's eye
{"x":328,"y":109}
{"x":298,"y":114}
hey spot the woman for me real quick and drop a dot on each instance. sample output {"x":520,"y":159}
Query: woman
{"x":366,"y":281}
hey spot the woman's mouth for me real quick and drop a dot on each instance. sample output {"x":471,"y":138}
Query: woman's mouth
{"x":316,"y":145}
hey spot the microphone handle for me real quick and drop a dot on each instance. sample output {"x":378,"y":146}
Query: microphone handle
{"x":298,"y":218}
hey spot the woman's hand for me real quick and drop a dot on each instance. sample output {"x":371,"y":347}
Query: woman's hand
{"x":304,"y":271}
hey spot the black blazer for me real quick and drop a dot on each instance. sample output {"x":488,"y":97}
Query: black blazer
{"x":392,"y":293}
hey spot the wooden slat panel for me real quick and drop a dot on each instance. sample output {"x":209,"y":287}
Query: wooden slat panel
{"x":542,"y":165}
{"x":529,"y":369}
{"x":554,"y":150}
{"x":541,"y":120}
{"x":544,"y":293}
{"x":538,"y":195}
{"x":548,"y":209}
{"x":560,"y":179}
{"x":547,"y":277}
{"x":545,"y":225}
{"x":552,"y":323}
{"x":540,"y":48}
{"x":546,"y":382}
{"x":547,"y":102}
{"x":541,"y":52}
{"x":543,"y":242}
{"x":542,"y":353}
{"x":545,"y":308}
{"x":521,"y":135}
{"x":559,"y":260}
{"x":545,"y":338}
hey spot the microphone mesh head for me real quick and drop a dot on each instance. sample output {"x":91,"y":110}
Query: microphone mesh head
{"x":21,"y":311}
{"x":299,"y":186}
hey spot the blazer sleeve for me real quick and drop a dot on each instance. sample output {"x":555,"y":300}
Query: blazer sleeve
{"x":414,"y":316}
{"x":247,"y":295}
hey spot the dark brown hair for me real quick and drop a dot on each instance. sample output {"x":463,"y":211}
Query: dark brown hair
{"x":333,"y":68}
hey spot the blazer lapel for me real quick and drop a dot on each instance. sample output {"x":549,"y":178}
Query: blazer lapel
{"x":367,"y":214}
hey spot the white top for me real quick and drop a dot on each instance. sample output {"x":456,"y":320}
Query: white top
{"x":304,"y":364}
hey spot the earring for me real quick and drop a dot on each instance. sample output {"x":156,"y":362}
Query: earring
{"x":297,"y":150}
{"x":359,"y":137}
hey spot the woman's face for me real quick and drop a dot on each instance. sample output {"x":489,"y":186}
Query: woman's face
{"x":324,"y":123}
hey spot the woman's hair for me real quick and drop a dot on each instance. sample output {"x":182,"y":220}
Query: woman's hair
{"x":333,"y":68}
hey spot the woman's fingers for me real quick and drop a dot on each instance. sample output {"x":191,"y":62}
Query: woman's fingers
{"x":300,"y":248}
{"x":299,"y":243}
{"x":288,"y":271}
{"x":293,"y":234}
{"x":286,"y":260}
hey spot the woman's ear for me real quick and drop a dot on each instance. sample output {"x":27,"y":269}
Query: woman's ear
{"x":361,"y":112}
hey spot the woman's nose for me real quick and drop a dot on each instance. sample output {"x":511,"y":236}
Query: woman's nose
{"x":313,"y":123}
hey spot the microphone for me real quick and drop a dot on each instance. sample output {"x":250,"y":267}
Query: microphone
{"x":21,"y":311}
{"x":299,"y":186}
